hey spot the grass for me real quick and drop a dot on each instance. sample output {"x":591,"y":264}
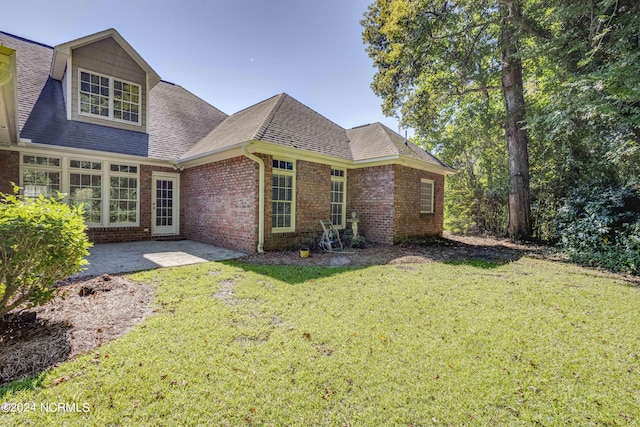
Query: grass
{"x":529,"y":342}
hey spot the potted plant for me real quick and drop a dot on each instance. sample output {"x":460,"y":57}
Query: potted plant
{"x":304,"y":251}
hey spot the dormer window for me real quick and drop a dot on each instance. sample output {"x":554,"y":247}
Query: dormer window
{"x":109,"y":98}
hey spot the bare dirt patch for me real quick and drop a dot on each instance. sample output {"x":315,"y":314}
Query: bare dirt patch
{"x":448,"y":248}
{"x":86,"y":314}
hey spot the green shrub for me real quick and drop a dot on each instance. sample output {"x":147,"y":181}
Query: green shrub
{"x":42,"y":241}
{"x":600,"y":226}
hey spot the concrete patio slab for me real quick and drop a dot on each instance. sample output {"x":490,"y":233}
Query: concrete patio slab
{"x":112,"y":258}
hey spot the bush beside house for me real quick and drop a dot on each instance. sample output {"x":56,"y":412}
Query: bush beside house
{"x":42,"y":241}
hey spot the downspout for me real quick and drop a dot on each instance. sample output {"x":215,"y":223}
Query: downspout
{"x":260,"y":163}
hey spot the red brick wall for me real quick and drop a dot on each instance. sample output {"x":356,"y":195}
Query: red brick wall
{"x":131,"y":234}
{"x":370,"y":193}
{"x":9,"y":170}
{"x":408,"y":221}
{"x":313,"y":203}
{"x":221,"y":202}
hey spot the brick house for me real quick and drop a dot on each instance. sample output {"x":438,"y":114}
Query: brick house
{"x":150,"y":160}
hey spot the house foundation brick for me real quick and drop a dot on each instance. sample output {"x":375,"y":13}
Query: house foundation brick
{"x":9,"y":170}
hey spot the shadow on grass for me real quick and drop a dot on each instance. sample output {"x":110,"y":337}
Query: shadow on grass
{"x":477,"y":252}
{"x":293,"y":274}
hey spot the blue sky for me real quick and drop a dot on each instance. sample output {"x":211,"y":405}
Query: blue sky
{"x":231,"y":53}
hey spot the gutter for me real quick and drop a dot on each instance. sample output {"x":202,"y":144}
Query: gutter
{"x":210,"y":153}
{"x":260,"y":163}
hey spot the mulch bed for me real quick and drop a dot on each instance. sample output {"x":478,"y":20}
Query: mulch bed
{"x":86,"y":314}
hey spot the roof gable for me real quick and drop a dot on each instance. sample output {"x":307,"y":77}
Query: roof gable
{"x":62,"y":52}
{"x":178,"y":118}
{"x":376,"y":140}
{"x":293,"y":124}
{"x":280,"y":120}
{"x":243,"y":126}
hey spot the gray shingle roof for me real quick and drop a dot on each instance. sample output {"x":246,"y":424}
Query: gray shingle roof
{"x":293,"y":124}
{"x":279,"y":120}
{"x":33,"y":62}
{"x":285,"y":121}
{"x":178,"y":119}
{"x":183,"y":126}
{"x":48,"y":124}
{"x":240,"y":127}
{"x":376,"y":140}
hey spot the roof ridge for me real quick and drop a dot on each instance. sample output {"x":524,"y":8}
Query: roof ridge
{"x":26,"y":40}
{"x":267,"y":121}
{"x":389,"y":140}
{"x":361,"y":126}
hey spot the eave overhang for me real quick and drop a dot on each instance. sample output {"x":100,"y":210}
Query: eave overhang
{"x":261,"y":147}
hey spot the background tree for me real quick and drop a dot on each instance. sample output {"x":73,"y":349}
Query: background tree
{"x":430,"y":54}
{"x":445,"y":66}
{"x":584,"y":109}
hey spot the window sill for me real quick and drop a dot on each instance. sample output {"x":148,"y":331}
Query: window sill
{"x":108,"y":119}
{"x":110,"y":226}
{"x":282,"y":230}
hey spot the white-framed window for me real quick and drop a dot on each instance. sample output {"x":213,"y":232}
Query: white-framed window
{"x":109,"y":98}
{"x":109,"y":191}
{"x":338,"y":197}
{"x":123,"y":194}
{"x":40,"y":175}
{"x":283,"y":182}
{"x":85,"y":187}
{"x":427,"y":187}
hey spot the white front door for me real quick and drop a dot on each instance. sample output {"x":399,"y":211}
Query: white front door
{"x":165,"y":201}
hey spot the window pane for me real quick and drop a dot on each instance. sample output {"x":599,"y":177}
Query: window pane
{"x":86,"y":189}
{"x":337,"y":200}
{"x":282,"y":200}
{"x":38,"y":182}
{"x":94,"y":94}
{"x":426,"y":197}
{"x":124,"y":199}
{"x":128,"y":102}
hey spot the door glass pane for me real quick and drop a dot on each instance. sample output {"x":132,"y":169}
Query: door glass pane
{"x":164,"y":203}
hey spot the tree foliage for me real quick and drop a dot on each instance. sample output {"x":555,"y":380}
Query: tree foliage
{"x":440,"y":63}
{"x":601,"y":226}
{"x":41,"y":241}
{"x":432,"y":55}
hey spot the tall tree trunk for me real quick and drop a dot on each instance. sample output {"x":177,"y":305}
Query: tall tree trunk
{"x":519,"y":218}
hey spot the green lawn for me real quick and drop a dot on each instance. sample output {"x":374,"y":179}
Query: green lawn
{"x":524,"y":343}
